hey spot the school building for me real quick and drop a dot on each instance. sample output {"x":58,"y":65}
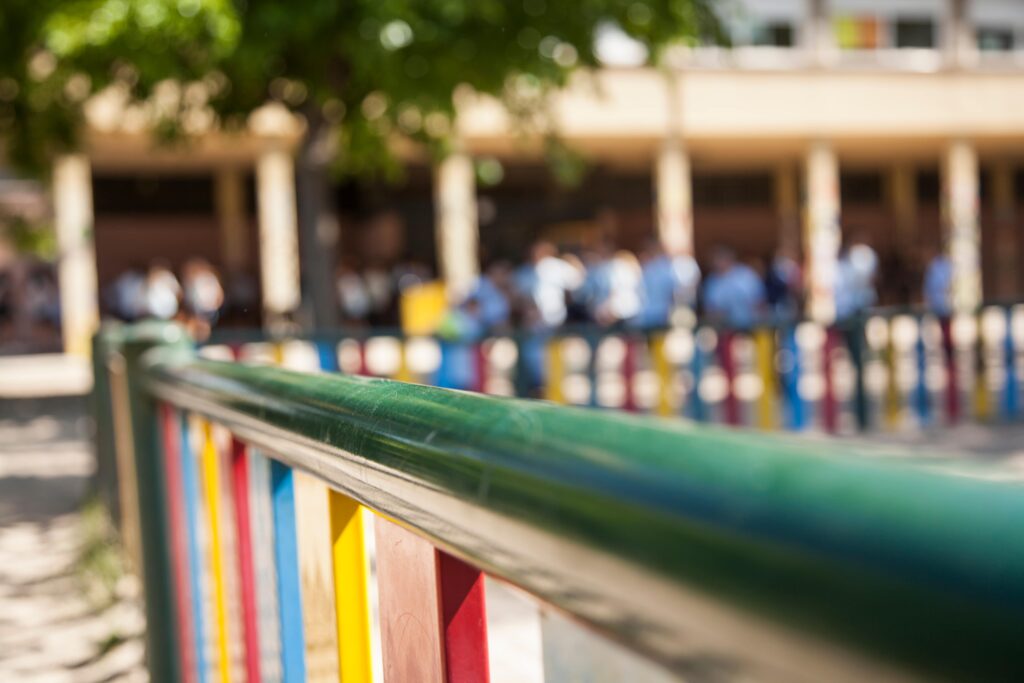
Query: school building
{"x":902,"y":120}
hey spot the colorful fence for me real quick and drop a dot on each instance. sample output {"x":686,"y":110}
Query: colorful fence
{"x":712,"y":555}
{"x":892,"y":370}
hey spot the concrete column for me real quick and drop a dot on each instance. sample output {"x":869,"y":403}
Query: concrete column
{"x":457,"y":228}
{"x":818,"y":37}
{"x":673,"y":189}
{"x":73,"y":223}
{"x":963,"y":230}
{"x":279,"y":237}
{"x":960,"y":44}
{"x":821,"y":230}
{"x":232,"y":219}
{"x":1004,"y":205}
{"x":674,"y":196}
{"x":787,"y":206}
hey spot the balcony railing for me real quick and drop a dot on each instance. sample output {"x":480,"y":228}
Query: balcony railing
{"x":711,"y":553}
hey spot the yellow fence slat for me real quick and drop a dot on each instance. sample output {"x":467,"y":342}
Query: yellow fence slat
{"x":351,"y":588}
{"x":764,"y":348}
{"x":211,"y":481}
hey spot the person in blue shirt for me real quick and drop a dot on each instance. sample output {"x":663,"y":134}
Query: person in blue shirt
{"x":937,"y":291}
{"x":668,"y":282}
{"x":938,"y":283}
{"x":856,"y":272}
{"x":734,"y":298}
{"x":734,"y":293}
{"x":483,"y":311}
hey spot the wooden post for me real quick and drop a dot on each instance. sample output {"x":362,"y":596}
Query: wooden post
{"x":821,"y":231}
{"x":432,"y":611}
{"x":73,"y":223}
{"x":963,"y":231}
{"x":457,"y":231}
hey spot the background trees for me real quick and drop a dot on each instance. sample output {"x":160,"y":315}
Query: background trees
{"x":361,"y":72}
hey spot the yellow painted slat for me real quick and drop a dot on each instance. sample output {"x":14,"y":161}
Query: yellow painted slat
{"x":981,"y":398}
{"x":764,"y":348}
{"x":403,"y":374}
{"x":892,"y":389}
{"x":351,"y":589}
{"x":211,"y":481}
{"x":556,"y":372}
{"x":664,"y":371}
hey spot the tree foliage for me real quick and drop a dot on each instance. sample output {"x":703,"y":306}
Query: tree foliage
{"x":366,"y":70}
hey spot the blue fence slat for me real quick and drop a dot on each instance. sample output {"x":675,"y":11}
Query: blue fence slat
{"x":286,"y":557}
{"x":190,"y":481}
{"x":698,"y":409}
{"x":1010,"y":395}
{"x":327,"y":353}
{"x":796,"y":411}
{"x":921,"y":398}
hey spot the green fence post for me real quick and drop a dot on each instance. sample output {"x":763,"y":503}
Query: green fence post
{"x":161,"y":636}
{"x":105,"y":342}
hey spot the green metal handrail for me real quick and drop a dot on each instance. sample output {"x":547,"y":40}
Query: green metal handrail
{"x":713,"y":551}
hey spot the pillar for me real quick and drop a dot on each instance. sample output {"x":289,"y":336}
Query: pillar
{"x":457,"y":231}
{"x":960,"y":43}
{"x":963,"y":230}
{"x":1004,"y":205}
{"x":73,"y":224}
{"x":821,"y":230}
{"x":787,"y":206}
{"x":278,"y":227}
{"x":674,"y":195}
{"x":673,"y":184}
{"x":818,"y":37}
{"x":232,"y":220}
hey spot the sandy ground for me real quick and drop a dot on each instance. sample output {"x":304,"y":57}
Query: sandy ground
{"x":49,"y":630}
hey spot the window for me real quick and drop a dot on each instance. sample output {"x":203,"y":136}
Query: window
{"x":914,"y":32}
{"x":733,"y":189}
{"x":860,"y":187}
{"x":995,"y":39}
{"x":775,"y":34}
{"x":117,"y":194}
{"x":857,"y":32}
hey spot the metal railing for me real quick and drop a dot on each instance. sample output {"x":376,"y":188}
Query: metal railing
{"x":713,"y":553}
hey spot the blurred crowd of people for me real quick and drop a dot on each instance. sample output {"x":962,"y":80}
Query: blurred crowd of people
{"x":194,"y":296}
{"x":618,"y":289}
{"x":599,"y":285}
{"x":30,"y":304}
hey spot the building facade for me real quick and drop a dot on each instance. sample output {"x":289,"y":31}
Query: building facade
{"x":902,"y":121}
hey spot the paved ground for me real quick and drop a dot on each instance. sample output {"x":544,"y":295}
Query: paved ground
{"x":52,"y":630}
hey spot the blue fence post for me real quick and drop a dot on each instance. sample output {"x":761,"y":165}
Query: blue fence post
{"x":286,"y":557}
{"x":698,"y":409}
{"x":797,"y":412}
{"x":1010,"y":396}
{"x":190,"y":486}
{"x":327,"y":353}
{"x":921,"y":399}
